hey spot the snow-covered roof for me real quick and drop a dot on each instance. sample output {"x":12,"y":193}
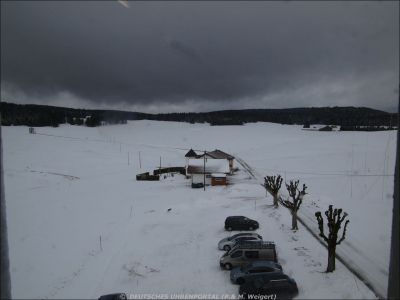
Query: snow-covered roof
{"x":218,"y":154}
{"x":220,"y":175}
{"x":191,"y":153}
{"x":196,"y":166}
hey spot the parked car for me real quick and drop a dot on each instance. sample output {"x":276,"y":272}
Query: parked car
{"x":116,"y":296}
{"x":240,"y":223}
{"x":244,"y":253}
{"x":275,"y":287}
{"x":228,"y":243}
{"x":197,"y":185}
{"x":240,"y":275}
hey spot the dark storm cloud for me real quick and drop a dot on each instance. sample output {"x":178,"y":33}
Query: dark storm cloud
{"x":200,"y":55}
{"x":184,"y":50}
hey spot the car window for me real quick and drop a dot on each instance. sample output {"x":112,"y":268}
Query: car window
{"x":251,"y":254}
{"x":237,"y":254}
{"x":268,"y":255}
{"x":253,"y":271}
{"x":263,"y":270}
{"x":245,"y":238}
{"x":277,"y":283}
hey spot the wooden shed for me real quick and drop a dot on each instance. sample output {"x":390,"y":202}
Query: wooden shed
{"x":218,"y":179}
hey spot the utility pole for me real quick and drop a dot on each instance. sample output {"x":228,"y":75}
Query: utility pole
{"x":5,"y":278}
{"x":140,"y":161}
{"x":204,"y":170}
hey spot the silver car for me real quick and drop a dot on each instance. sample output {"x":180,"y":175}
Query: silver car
{"x":228,"y":243}
{"x":242,"y":254}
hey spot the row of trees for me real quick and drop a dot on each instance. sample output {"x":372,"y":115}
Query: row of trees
{"x":334,"y":217}
{"x":341,"y":116}
{"x":43,"y":115}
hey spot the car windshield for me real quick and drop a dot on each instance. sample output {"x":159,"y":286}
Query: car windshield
{"x":236,"y":236}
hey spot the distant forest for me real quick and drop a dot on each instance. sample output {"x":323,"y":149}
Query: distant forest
{"x":350,"y":118}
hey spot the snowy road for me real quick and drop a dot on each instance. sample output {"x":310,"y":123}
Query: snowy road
{"x":368,"y":269}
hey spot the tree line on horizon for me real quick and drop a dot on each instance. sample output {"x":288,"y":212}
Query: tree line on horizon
{"x":349,"y":118}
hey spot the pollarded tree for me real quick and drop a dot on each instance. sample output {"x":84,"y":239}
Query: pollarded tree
{"x":335,"y":221}
{"x":295,"y":202}
{"x":272,"y":184}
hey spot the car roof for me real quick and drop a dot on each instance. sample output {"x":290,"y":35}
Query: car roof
{"x":245,"y":234}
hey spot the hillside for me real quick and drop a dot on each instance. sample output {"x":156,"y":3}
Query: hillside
{"x":41,"y":115}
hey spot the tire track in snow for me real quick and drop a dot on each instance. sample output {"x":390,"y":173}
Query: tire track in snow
{"x":343,"y":255}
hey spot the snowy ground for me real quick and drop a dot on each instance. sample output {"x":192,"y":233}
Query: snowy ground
{"x":72,"y":185}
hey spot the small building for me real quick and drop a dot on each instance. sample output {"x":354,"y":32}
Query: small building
{"x":201,"y":170}
{"x":218,"y":154}
{"x":218,"y":179}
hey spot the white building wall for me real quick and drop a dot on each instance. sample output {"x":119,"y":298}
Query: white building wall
{"x":199,"y":178}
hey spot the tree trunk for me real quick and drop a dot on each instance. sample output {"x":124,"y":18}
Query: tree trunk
{"x":275,"y":200}
{"x":294,"y":220}
{"x":331,"y":258}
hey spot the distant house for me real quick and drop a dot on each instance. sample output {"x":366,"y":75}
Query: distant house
{"x":218,"y":154}
{"x":326,"y":128}
{"x":213,"y":171}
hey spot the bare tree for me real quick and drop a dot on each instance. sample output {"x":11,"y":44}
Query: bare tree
{"x":272,"y":185}
{"x":335,"y":221}
{"x":295,"y":202}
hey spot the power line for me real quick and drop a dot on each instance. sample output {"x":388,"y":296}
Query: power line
{"x":330,"y":174}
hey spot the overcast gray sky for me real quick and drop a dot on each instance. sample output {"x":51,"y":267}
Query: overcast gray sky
{"x":200,"y":56}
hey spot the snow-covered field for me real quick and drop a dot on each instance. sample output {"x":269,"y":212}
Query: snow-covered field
{"x":67,"y":187}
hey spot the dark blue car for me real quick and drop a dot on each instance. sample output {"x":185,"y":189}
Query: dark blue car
{"x":276,"y":286}
{"x":255,"y":269}
{"x":116,"y":296}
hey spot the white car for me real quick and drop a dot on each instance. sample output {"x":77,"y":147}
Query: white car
{"x":228,"y":243}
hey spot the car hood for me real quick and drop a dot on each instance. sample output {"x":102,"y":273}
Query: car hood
{"x":236,"y":272}
{"x":223,"y":240}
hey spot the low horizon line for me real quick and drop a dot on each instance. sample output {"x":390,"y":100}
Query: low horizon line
{"x":199,"y":112}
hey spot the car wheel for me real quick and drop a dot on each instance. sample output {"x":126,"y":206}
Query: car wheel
{"x":240,"y":281}
{"x":228,"y":266}
{"x":229,"y":228}
{"x":227,"y":248}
